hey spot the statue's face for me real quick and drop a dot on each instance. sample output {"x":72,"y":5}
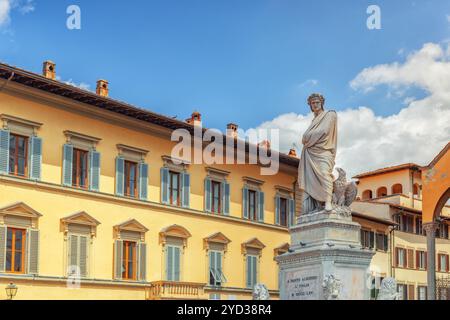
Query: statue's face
{"x":316,"y":105}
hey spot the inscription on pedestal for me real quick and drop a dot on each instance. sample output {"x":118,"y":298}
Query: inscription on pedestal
{"x":303,"y":285}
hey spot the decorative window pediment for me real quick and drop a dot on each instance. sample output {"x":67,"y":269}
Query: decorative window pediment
{"x":81,"y":141}
{"x":284,"y":192}
{"x":252,"y":183}
{"x":132,"y":153}
{"x":217,"y":174}
{"x":216,"y":239}
{"x":281,"y":249}
{"x":174,"y":231}
{"x":252,"y":246}
{"x":175,"y":164}
{"x":82,"y":219}
{"x":19,"y":213}
{"x":20,"y":126}
{"x":130,"y":229}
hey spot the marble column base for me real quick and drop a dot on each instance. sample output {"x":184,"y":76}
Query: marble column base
{"x":325,"y":244}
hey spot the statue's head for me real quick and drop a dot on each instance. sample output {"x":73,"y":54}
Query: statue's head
{"x":316,"y":101}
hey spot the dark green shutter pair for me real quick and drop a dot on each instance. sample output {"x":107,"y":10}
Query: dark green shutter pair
{"x":185,"y":187}
{"x":141,"y":263}
{"x":31,"y":254}
{"x":34,"y":159}
{"x":252,"y":271}
{"x":78,"y":254}
{"x":94,"y":167}
{"x":259,"y":204}
{"x":142,"y":178}
{"x":225,"y":191}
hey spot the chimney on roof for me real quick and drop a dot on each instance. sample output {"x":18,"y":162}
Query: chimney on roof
{"x":195,"y":119}
{"x":265,"y":144}
{"x":48,"y":70}
{"x":293,"y":153}
{"x":232,"y":130}
{"x":102,"y":88}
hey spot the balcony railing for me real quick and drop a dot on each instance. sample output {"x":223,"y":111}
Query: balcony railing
{"x":174,"y":290}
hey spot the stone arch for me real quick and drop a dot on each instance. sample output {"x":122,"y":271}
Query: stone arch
{"x":367,"y":194}
{"x":441,"y":203}
{"x":397,"y":188}
{"x":382,"y":192}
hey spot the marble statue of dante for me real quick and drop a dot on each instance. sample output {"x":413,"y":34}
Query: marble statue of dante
{"x":315,"y":172}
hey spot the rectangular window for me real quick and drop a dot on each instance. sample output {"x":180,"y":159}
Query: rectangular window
{"x":174,"y":188}
{"x":129,"y":260}
{"x":367,"y":239}
{"x":382,"y":242}
{"x":421,"y":260}
{"x":15,"y":250}
{"x":173,"y":256}
{"x":409,"y":222}
{"x":80,"y":168}
{"x":216,"y":276}
{"x":403,"y":290}
{"x":283,"y":212}
{"x":252,"y":205}
{"x":419,"y":229}
{"x":443,"y":231}
{"x":443,"y":262}
{"x":131,"y":179}
{"x":18,"y":155}
{"x":401,"y":258}
{"x":252,"y":271}
{"x":422,"y":293}
{"x":216,"y":203}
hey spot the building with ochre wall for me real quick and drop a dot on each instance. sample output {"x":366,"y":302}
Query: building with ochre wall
{"x":93,"y":206}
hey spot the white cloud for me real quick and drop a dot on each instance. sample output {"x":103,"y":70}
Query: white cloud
{"x":70,"y":82}
{"x":415,"y":134}
{"x":6,"y":6}
{"x":309,"y":83}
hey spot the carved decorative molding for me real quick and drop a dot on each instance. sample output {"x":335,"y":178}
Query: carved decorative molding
{"x":252,"y":181}
{"x":80,"y":140}
{"x":254,"y":244}
{"x":80,"y":218}
{"x":217,"y":237}
{"x":20,"y":210}
{"x":19,"y":125}
{"x":175,"y":164}
{"x":281,"y":249}
{"x":217,"y":174}
{"x":131,"y":225}
{"x":132,"y":153}
{"x":175,"y":231}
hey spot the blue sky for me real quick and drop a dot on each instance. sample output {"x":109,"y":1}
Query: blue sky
{"x":235,"y":61}
{"x":255,"y":62}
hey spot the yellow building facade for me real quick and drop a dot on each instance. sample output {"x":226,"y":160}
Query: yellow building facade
{"x":93,"y":206}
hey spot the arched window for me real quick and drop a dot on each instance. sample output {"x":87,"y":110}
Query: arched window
{"x":381,"y":192}
{"x":397,"y":189}
{"x":367,"y":195}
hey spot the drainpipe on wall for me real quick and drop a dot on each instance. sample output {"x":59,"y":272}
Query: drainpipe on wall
{"x":392,"y":236}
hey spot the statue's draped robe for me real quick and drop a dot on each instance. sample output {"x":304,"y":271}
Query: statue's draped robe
{"x":318,"y":156}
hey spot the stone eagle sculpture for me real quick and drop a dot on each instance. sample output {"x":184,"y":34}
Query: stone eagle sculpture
{"x":344,"y":193}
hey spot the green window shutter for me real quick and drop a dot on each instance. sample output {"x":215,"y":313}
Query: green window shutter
{"x":208,"y":195}
{"x":226,"y":199}
{"x":143,"y":181}
{"x":83,"y":256}
{"x":261,"y":206}
{"x":219,"y":267}
{"x":186,"y":190}
{"x":67,"y":164}
{"x":249,"y":272}
{"x":245,"y":203}
{"x":277,"y":210}
{"x":73,"y":252}
{"x":4,"y":151}
{"x":254,"y":271}
{"x":386,"y":242}
{"x":2,"y":248}
{"x":371,"y":240}
{"x":94,"y":161}
{"x":169,"y":263}
{"x":33,"y":251}
{"x":165,"y":185}
{"x":212,"y":267}
{"x":177,"y":263}
{"x":120,"y":178}
{"x":291,"y":212}
{"x":118,"y":268}
{"x":142,"y":262}
{"x":35,"y":158}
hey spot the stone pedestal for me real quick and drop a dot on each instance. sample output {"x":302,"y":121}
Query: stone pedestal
{"x":325,"y":252}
